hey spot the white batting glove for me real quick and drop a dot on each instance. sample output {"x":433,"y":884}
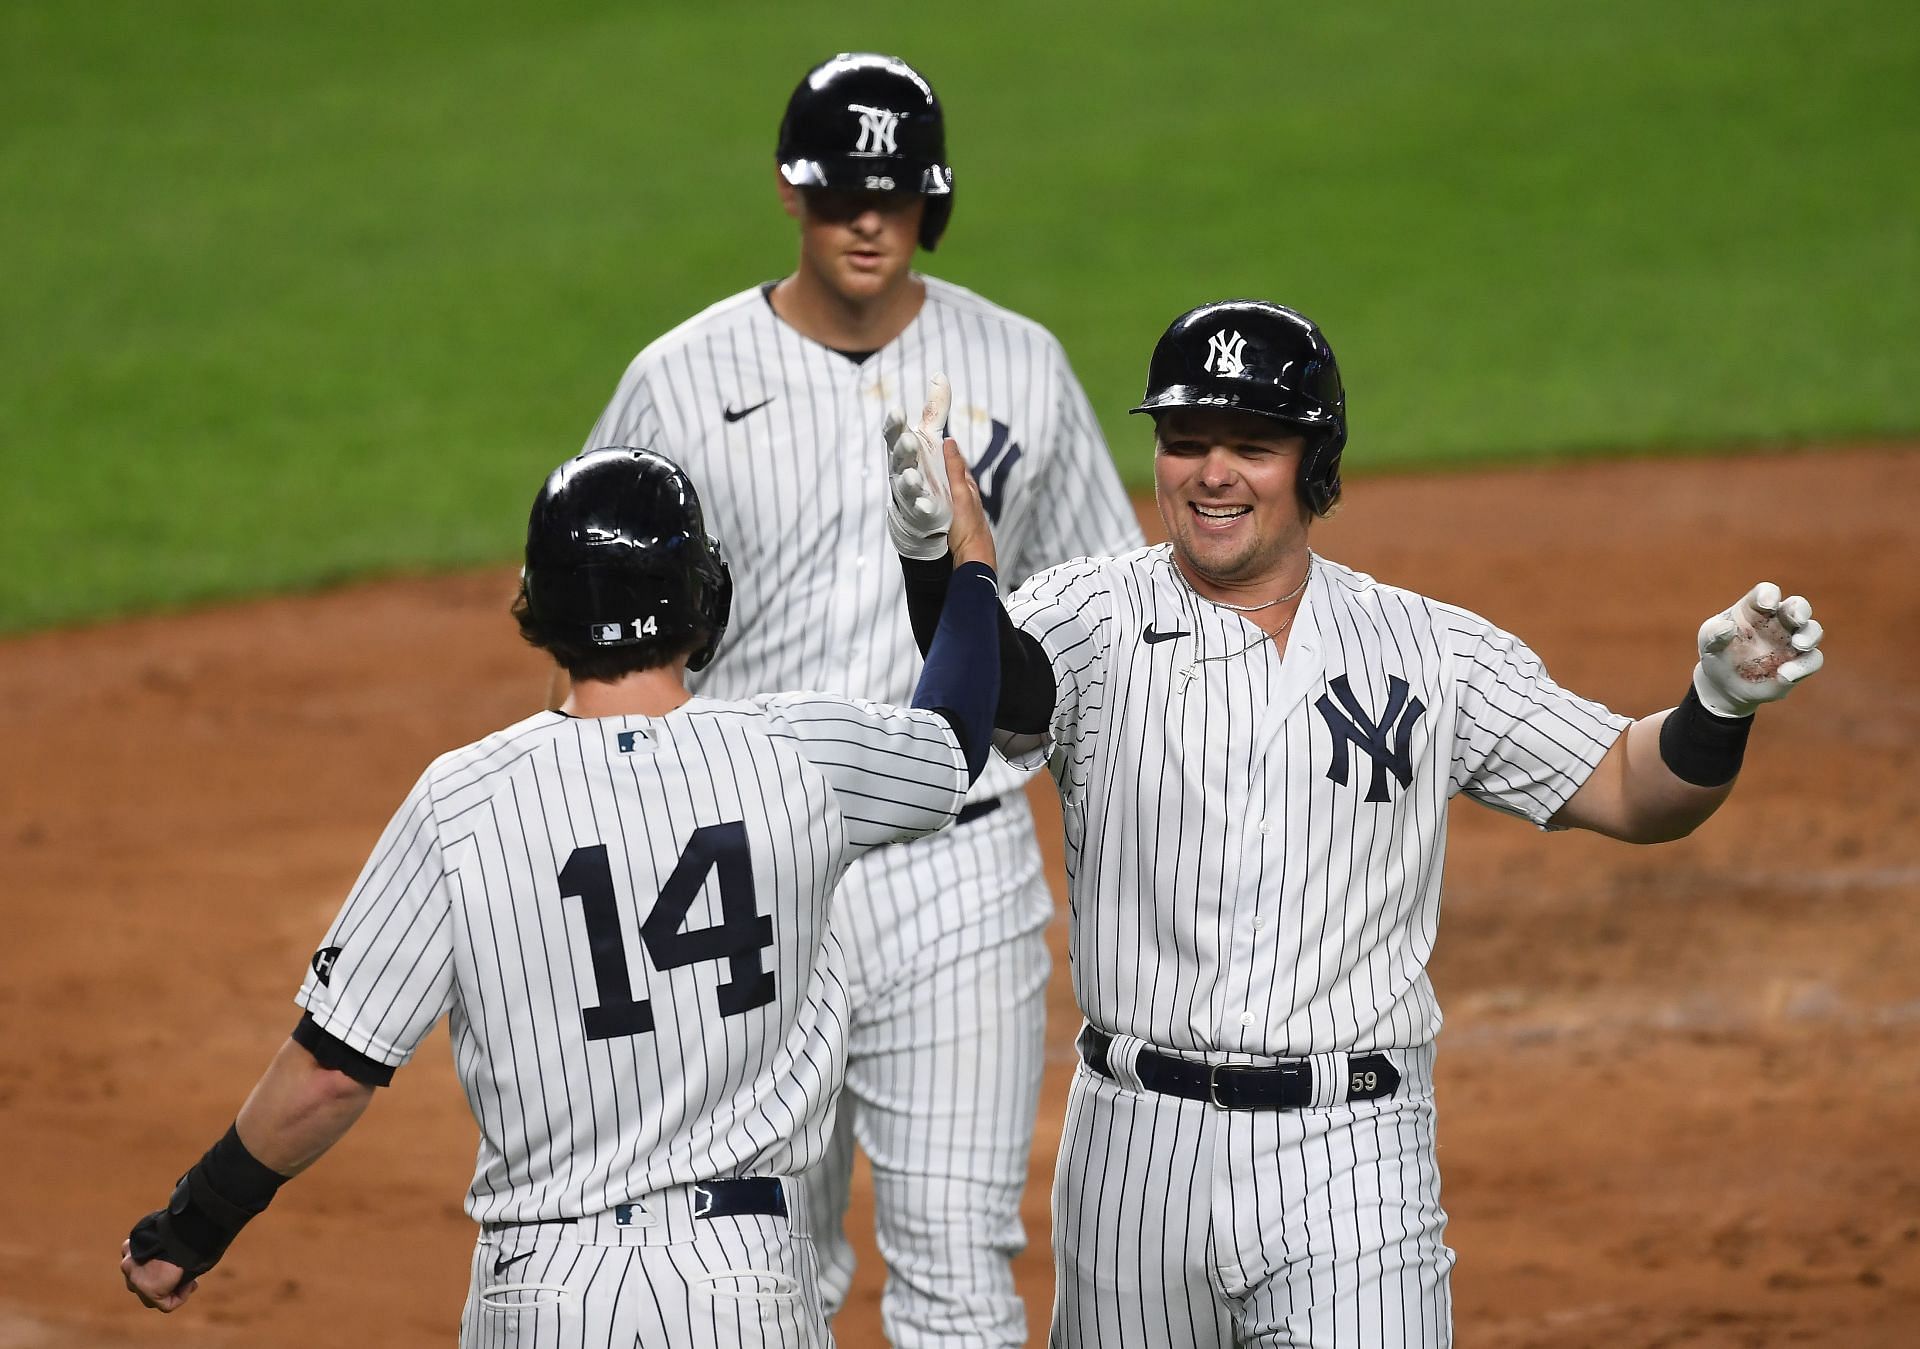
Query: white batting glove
{"x":919,"y":504}
{"x":1756,"y":651}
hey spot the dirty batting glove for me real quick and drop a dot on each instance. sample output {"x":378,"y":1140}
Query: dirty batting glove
{"x":1756,"y":651}
{"x":919,"y":503}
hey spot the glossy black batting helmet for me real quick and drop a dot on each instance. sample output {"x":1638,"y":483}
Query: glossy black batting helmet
{"x":869,"y":123}
{"x":618,"y":555}
{"x":1262,"y":358}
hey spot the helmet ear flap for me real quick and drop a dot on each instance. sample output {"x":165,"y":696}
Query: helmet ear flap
{"x":933,"y":221}
{"x":1320,"y":471}
{"x":715,"y":603}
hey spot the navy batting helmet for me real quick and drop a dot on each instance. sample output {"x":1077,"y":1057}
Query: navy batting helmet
{"x":869,"y":123}
{"x":618,"y":555}
{"x":1262,"y":358}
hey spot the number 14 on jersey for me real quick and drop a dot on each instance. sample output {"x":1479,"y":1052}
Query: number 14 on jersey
{"x":738,"y":938}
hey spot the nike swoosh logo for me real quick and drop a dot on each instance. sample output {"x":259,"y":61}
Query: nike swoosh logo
{"x":500,"y":1265}
{"x":733,"y":416}
{"x":1150,"y":636}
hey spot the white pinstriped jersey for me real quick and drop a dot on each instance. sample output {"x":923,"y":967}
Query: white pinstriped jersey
{"x":782,"y":436}
{"x":1254,"y":849}
{"x":625,"y":919}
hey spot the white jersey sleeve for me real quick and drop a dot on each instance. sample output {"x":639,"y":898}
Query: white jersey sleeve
{"x":1522,"y":743}
{"x":1086,"y":510}
{"x":896,"y":772}
{"x":384,"y":973}
{"x":631,"y":417}
{"x":1069,"y":608}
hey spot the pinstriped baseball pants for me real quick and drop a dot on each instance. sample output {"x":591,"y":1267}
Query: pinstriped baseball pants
{"x":942,"y":1088}
{"x":948,"y":963}
{"x":1176,"y":1223}
{"x":749,"y":1282}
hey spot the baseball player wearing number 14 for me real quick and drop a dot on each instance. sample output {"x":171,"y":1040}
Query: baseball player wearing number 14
{"x":1254,"y":747}
{"x":621,"y":906}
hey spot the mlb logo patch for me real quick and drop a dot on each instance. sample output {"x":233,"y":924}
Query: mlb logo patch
{"x":608,"y":633}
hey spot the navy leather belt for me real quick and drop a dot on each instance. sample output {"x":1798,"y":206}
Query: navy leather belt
{"x":1284,"y":1086}
{"x":973,"y":810}
{"x":732,"y":1198}
{"x":711,"y":1199}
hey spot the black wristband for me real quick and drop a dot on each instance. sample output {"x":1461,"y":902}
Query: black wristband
{"x":217,"y":1197}
{"x":1702,"y":747}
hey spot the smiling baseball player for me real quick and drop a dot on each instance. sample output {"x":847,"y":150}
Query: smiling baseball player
{"x":621,"y":907}
{"x":1255,"y":747}
{"x":773,"y":399}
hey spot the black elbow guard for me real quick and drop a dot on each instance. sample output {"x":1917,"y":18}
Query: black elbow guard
{"x":1026,"y":682}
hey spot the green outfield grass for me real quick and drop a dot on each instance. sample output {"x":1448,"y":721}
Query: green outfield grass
{"x":296,"y":292}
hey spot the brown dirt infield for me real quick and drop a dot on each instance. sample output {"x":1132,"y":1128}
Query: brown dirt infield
{"x":1675,"y":1082}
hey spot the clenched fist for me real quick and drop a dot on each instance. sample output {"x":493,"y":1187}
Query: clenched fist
{"x":1756,"y":651}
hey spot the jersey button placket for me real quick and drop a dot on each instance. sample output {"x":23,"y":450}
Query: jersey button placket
{"x":859,"y":508}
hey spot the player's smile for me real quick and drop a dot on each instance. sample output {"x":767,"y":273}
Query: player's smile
{"x":1218,"y":517}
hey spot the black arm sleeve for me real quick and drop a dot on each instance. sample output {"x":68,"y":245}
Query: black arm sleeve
{"x":1026,"y":675}
{"x":331,"y":1052}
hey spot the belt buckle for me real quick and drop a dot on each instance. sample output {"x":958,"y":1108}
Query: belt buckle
{"x":1213,"y":1085}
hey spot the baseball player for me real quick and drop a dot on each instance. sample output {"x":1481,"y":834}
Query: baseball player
{"x":1254,"y":747}
{"x":772,"y":399}
{"x":621,"y":906}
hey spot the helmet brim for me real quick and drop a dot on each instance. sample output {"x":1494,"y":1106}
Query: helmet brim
{"x":916,"y":177}
{"x":1196,"y":396}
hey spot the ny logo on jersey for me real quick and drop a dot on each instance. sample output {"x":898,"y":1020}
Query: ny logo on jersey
{"x":1224,"y":355}
{"x":991,"y":469}
{"x":323,"y":963}
{"x":876,"y":129}
{"x":1350,"y":726}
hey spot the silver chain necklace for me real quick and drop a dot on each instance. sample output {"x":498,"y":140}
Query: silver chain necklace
{"x":1252,"y":608}
{"x":1192,"y":667}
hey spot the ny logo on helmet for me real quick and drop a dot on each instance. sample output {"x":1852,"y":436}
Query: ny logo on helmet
{"x":1223,"y":355}
{"x":876,"y":129}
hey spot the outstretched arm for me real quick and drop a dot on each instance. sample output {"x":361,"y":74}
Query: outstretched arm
{"x":297,"y":1111}
{"x":961,"y":679}
{"x":1671,"y":770}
